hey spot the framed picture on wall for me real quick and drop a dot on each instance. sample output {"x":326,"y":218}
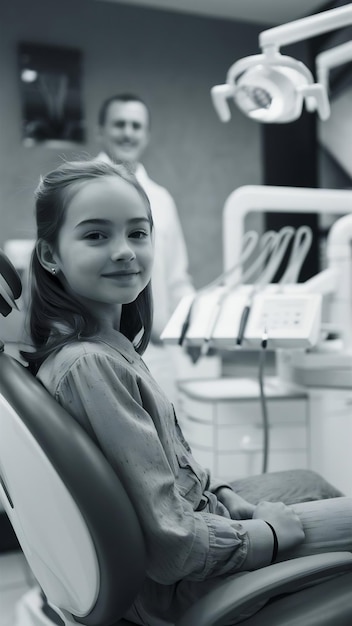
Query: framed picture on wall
{"x":50,"y":88}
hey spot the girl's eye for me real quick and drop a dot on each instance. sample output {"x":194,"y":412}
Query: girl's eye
{"x":95,"y":236}
{"x":139,"y":234}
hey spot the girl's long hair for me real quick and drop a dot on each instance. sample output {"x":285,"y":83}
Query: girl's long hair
{"x":56,"y":317}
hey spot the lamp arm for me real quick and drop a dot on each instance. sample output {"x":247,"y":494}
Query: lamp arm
{"x":305,"y":28}
{"x":333,"y":57}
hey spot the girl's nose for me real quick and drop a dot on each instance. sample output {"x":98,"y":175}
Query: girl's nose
{"x":122,"y":252}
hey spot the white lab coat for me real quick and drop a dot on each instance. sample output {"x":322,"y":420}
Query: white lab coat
{"x":170,"y":280}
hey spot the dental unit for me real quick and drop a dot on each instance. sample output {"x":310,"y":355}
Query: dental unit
{"x":308,"y":325}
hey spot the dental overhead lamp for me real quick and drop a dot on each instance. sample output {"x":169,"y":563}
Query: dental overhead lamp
{"x":271,"y":87}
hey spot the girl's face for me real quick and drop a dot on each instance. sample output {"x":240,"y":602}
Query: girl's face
{"x":105,"y":248}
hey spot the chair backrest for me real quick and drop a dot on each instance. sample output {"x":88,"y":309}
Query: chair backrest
{"x":69,"y":510}
{"x":10,"y":285}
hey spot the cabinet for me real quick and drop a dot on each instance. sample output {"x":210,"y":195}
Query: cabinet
{"x":222,"y":421}
{"x":330,"y":434}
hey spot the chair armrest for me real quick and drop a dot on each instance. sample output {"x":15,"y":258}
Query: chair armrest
{"x":233,"y":596}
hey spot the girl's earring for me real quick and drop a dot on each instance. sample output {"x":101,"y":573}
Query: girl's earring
{"x":53,"y":271}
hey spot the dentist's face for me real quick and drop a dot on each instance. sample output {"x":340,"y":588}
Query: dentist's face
{"x":125,"y":133}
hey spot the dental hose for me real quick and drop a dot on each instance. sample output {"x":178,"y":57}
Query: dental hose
{"x":263,"y":403}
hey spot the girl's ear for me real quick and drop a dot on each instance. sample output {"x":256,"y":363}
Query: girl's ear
{"x":45,"y":255}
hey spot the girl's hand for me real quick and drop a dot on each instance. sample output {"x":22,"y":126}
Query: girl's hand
{"x":237,"y":506}
{"x":286,"y":523}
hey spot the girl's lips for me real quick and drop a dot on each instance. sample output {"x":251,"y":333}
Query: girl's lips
{"x":120,"y":274}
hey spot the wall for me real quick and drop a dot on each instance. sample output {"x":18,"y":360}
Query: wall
{"x":172,"y":61}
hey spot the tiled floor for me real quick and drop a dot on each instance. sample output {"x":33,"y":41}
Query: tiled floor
{"x":15,"y":580}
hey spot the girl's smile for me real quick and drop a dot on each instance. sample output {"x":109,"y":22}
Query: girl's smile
{"x":124,"y":278}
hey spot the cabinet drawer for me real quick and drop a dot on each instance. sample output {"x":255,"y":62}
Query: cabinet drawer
{"x":245,"y":437}
{"x":239,"y":412}
{"x":279,"y":411}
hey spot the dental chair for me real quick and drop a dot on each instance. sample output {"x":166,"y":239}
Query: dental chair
{"x":81,"y":536}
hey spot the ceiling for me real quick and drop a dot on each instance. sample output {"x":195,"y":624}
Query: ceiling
{"x":269,"y":12}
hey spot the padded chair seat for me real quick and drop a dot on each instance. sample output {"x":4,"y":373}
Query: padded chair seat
{"x":326,"y":604}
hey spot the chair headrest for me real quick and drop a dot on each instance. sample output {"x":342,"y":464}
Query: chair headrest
{"x":10,"y":285}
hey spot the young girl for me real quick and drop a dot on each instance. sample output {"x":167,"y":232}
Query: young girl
{"x":90,"y":321}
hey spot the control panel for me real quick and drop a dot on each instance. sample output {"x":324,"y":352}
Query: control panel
{"x":226,"y":319}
